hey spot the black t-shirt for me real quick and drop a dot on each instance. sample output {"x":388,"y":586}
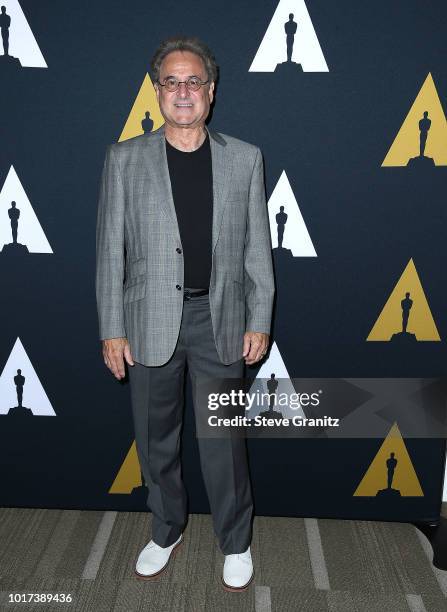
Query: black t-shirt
{"x":192,"y":190}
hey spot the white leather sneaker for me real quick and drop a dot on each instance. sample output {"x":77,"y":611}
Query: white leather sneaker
{"x":238,"y":571}
{"x":154,"y":559}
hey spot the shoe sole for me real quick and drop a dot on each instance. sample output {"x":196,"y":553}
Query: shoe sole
{"x":151,"y":576}
{"x":244,"y":587}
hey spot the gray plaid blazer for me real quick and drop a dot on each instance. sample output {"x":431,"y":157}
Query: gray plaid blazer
{"x":139,"y":270}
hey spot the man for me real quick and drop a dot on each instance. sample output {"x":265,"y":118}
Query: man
{"x":188,"y":206}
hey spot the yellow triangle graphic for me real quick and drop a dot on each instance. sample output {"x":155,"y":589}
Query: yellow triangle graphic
{"x":129,"y":474}
{"x":145,"y":102}
{"x":404,"y":477}
{"x":406,"y":143}
{"x":420,"y":320}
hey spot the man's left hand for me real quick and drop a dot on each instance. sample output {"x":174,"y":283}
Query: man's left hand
{"x":255,"y":346}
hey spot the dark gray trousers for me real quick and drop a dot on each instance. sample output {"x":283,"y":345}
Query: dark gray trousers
{"x":157,"y":405}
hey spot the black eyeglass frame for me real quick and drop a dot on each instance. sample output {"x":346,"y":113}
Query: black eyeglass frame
{"x":201,"y":83}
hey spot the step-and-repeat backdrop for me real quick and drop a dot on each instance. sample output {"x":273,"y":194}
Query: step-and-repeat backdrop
{"x":347,"y":102}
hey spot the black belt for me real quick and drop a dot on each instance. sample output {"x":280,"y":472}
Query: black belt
{"x":193,"y":293}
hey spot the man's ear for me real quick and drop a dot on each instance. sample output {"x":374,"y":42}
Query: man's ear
{"x":211,"y":91}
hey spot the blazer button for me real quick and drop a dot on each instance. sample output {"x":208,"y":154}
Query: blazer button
{"x":178,"y":287}
{"x":178,"y":250}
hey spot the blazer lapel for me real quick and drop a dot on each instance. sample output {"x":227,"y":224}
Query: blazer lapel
{"x":222,"y":169}
{"x":160,"y":182}
{"x":156,"y":160}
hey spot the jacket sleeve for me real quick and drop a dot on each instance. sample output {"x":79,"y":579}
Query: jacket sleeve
{"x":258,"y":266}
{"x":110,"y":250}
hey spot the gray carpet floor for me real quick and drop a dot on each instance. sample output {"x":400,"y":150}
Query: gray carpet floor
{"x":309,"y":565}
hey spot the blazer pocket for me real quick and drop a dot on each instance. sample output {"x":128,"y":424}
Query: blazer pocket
{"x":136,"y":267}
{"x":135,"y":289}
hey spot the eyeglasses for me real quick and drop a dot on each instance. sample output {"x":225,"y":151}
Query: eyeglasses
{"x":193,"y":83}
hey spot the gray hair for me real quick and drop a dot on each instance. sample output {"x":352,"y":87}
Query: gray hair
{"x":184,"y":43}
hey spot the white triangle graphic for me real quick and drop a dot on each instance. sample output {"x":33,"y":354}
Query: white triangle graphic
{"x":34,"y":396}
{"x":22,"y":43}
{"x":274,"y":364}
{"x":306,"y":48}
{"x":30,"y":232}
{"x":296,"y":238}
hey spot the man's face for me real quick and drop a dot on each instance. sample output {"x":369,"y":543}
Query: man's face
{"x":183,"y":64}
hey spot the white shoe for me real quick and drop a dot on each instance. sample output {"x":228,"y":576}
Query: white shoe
{"x":238,"y":571}
{"x":153,"y":559}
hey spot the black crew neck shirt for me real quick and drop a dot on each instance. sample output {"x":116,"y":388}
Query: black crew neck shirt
{"x":192,"y":190}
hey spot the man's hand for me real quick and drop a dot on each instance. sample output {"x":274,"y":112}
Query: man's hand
{"x":255,"y":346}
{"x":113,"y":350}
